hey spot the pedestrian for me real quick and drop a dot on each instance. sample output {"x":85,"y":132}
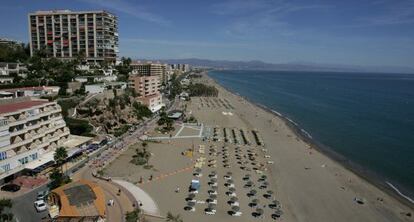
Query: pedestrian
{"x":177,"y":190}
{"x":150,"y":177}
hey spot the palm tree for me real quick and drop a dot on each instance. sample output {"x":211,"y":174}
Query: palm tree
{"x":4,"y":216}
{"x":60,"y":156}
{"x":172,"y":218}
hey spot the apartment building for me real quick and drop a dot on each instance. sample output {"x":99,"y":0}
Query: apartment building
{"x":144,"y":85}
{"x":181,"y":67}
{"x":153,"y":102}
{"x":148,"y":88}
{"x":30,"y":131}
{"x":66,"y":34}
{"x":33,"y":91}
{"x":13,"y":68}
{"x":147,"y":68}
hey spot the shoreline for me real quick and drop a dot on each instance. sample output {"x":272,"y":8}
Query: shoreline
{"x":363,"y":173}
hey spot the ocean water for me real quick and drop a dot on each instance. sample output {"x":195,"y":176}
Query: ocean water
{"x":366,"y":118}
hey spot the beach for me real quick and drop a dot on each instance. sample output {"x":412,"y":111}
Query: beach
{"x":309,"y":185}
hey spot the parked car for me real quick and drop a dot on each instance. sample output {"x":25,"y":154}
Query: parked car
{"x":40,"y":205}
{"x":41,"y":195}
{"x":10,"y":187}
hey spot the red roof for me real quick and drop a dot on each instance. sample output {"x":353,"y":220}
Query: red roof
{"x":13,"y":107}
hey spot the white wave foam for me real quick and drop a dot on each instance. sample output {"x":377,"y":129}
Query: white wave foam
{"x":292,"y":121}
{"x":306,"y":133}
{"x":399,"y":192}
{"x":277,"y":113}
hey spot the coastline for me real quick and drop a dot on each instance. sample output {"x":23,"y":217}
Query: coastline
{"x":364,"y":174}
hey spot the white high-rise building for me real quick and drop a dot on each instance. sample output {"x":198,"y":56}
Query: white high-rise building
{"x":65,"y":34}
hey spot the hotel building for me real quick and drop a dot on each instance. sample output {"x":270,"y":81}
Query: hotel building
{"x":30,"y":131}
{"x":66,"y":34}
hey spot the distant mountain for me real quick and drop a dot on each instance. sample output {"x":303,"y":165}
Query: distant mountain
{"x":260,"y":65}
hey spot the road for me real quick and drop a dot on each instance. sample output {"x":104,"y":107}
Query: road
{"x":24,"y":210}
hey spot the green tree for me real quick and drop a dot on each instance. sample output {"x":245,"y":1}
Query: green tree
{"x":124,"y":69}
{"x":172,"y":218}
{"x":140,"y":110}
{"x":56,"y":178}
{"x":14,"y":52}
{"x":166,"y":122}
{"x":5,"y":204}
{"x":60,"y":156}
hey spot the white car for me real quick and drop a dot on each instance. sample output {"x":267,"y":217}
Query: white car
{"x":40,"y":205}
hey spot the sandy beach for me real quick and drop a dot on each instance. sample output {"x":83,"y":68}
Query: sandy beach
{"x":309,"y":185}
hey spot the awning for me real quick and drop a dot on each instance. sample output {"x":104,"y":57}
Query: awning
{"x":73,"y":152}
{"x":45,"y":158}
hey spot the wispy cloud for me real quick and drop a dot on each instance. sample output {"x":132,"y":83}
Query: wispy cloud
{"x":261,"y":16}
{"x":123,"y":6}
{"x":183,"y":43}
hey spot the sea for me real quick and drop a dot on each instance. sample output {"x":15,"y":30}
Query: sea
{"x":366,"y":120}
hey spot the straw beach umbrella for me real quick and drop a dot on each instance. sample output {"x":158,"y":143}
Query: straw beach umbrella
{"x":191,"y":196}
{"x":259,"y":211}
{"x":235,"y":208}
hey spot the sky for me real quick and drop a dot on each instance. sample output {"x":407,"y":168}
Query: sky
{"x":351,"y":32}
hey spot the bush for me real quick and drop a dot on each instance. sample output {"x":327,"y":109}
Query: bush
{"x":78,"y":126}
{"x":120,"y":131}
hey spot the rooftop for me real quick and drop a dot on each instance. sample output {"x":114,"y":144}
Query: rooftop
{"x":80,"y":199}
{"x":14,"y":107}
{"x":37,"y":88}
{"x":66,"y":11}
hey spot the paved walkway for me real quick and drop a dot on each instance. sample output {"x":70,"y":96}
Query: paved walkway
{"x":199,"y":128}
{"x":148,"y":204}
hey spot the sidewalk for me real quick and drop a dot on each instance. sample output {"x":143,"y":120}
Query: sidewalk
{"x":148,"y":204}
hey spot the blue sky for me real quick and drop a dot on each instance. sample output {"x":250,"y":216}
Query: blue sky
{"x":355,"y":32}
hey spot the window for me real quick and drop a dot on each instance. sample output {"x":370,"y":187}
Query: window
{"x":3,"y":155}
{"x":6,"y":167}
{"x":3,"y":122}
{"x":33,"y":156}
{"x":24,"y":160}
